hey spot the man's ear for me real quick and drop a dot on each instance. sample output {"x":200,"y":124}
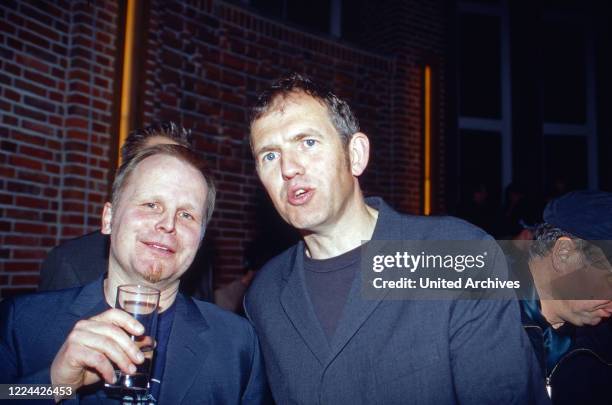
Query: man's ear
{"x":107,"y":217}
{"x":359,"y":153}
{"x":565,"y":255}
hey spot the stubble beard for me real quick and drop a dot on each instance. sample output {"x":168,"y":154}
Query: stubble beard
{"x":154,"y":273}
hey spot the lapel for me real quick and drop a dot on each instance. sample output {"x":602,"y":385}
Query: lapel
{"x":89,"y":301}
{"x":390,"y":226}
{"x":356,"y":311}
{"x":186,"y":353}
{"x":298,"y":307}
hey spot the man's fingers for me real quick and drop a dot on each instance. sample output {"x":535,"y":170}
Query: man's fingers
{"x":95,"y":344}
{"x":108,"y":338}
{"x":79,"y":365}
{"x":93,"y":360}
{"x":109,"y":348}
{"x":121,"y":319}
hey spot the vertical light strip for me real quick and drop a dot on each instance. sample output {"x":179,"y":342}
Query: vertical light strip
{"x":126,"y":82}
{"x":427,"y":141}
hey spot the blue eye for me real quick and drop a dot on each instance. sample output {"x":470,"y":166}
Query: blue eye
{"x":269,"y":156}
{"x":310,"y":142}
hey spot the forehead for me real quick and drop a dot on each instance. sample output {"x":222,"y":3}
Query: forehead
{"x":167,"y":176}
{"x":159,"y":140}
{"x":291,"y":114}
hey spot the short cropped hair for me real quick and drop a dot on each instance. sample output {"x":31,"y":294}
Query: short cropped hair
{"x":546,"y":235}
{"x":137,"y":139}
{"x":544,"y":238}
{"x":181,"y":153}
{"x":340,"y":114}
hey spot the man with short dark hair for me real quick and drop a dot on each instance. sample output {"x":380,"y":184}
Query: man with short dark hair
{"x":323,"y":342}
{"x":567,"y":316}
{"x":162,"y":200}
{"x":81,"y":260}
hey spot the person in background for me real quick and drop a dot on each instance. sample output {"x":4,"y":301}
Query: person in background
{"x":568,"y":313}
{"x":478,"y":208}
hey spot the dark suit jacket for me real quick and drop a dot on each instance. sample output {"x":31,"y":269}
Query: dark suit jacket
{"x":75,"y":262}
{"x":213,"y":355}
{"x":391,"y":351}
{"x":82,"y":260}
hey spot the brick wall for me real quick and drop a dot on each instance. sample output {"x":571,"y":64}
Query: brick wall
{"x":209,"y":63}
{"x":205,"y":63}
{"x":56,"y":90}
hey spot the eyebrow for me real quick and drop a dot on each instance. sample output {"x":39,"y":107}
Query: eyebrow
{"x":267,"y":148}
{"x":142,"y":197}
{"x":306,"y":133}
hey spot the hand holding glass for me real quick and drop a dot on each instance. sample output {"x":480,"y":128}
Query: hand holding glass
{"x":142,"y":303}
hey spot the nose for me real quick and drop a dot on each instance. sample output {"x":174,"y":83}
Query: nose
{"x":166,"y":222}
{"x":291,"y":166}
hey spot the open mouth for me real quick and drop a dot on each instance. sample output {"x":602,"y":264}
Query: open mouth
{"x":300,"y":195}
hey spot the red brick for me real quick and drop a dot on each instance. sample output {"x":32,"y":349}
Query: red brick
{"x":23,"y":214}
{"x":72,"y":231}
{"x":33,"y":228}
{"x":33,"y":254}
{"x":49,"y":217}
{"x":37,"y":177}
{"x":12,"y":95}
{"x":31,"y":202}
{"x":29,"y":113}
{"x":72,"y":219}
{"x":73,"y":194}
{"x":21,"y":161}
{"x":51,"y":192}
{"x":39,"y":128}
{"x":52,"y":168}
{"x":35,"y":88}
{"x":21,"y":240}
{"x":24,"y":188}
{"x":12,"y":69}
{"x":9,"y":119}
{"x":21,"y":266}
{"x":25,"y":280}
{"x":40,"y":79}
{"x":6,"y":171}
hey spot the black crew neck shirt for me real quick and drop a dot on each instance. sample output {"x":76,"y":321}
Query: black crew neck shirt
{"x":328,"y":282}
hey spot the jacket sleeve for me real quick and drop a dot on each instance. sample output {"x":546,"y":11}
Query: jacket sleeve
{"x":9,"y":351}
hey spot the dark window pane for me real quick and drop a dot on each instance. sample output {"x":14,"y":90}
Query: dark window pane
{"x":480,"y":178}
{"x":565,"y":163}
{"x":312,"y":14}
{"x":354,"y":19}
{"x":563,"y":73}
{"x":479,"y":66}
